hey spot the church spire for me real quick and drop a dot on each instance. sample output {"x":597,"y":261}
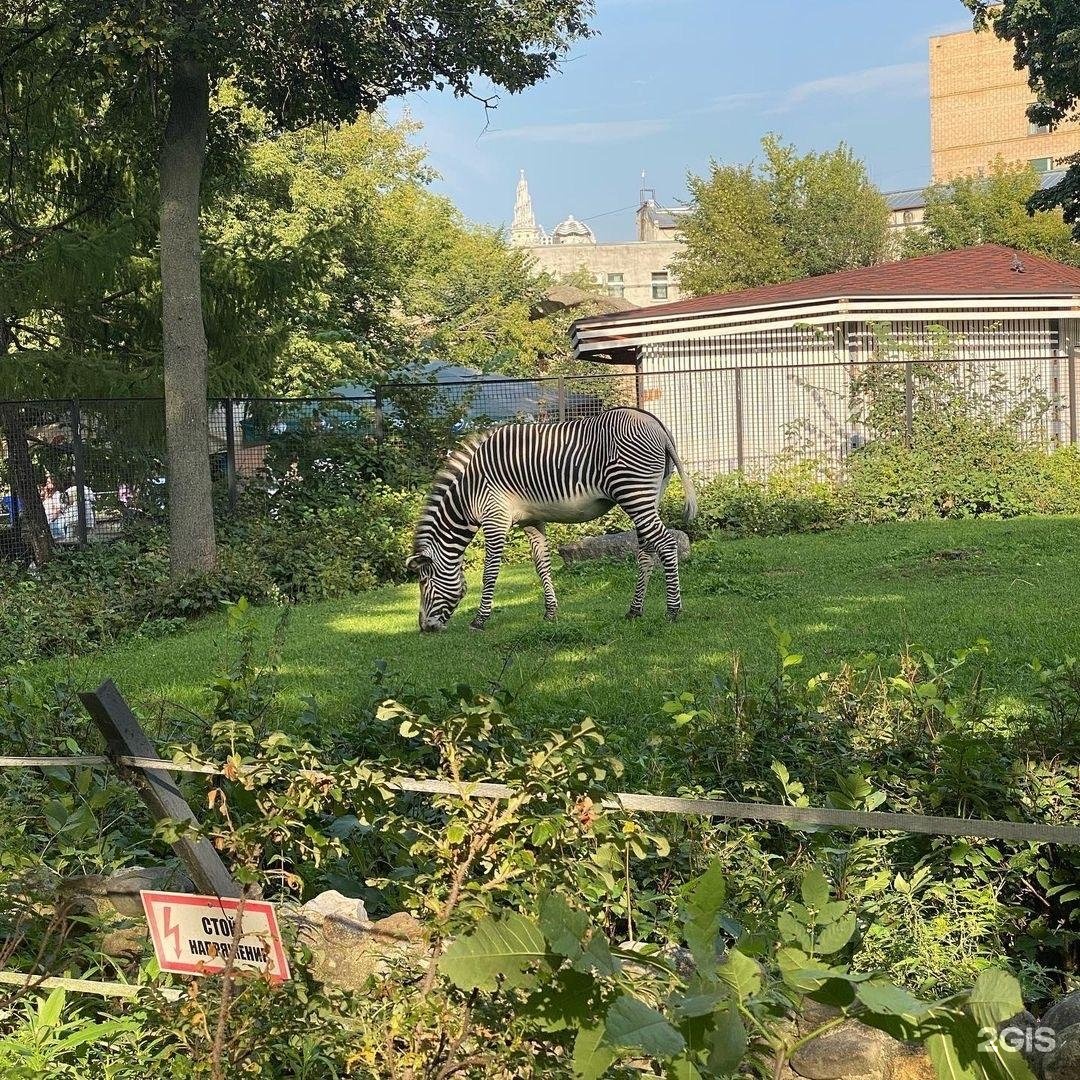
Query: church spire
{"x":524,"y":232}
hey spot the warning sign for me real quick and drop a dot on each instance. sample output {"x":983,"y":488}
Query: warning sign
{"x":196,"y":935}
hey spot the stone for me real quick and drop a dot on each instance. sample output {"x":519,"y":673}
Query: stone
{"x":851,"y":1051}
{"x":1063,"y":1062}
{"x":125,"y":941}
{"x":1064,"y":1013}
{"x":122,"y":889}
{"x":347,"y":951}
{"x":620,"y":545}
{"x":333,"y":905}
{"x":911,"y":1063}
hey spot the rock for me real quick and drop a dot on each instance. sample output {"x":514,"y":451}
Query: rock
{"x":127,"y":942}
{"x":347,"y":950}
{"x":333,"y":905}
{"x":1063,"y":1062}
{"x":1064,"y":1013}
{"x":911,"y":1063}
{"x":620,"y":545}
{"x":847,"y":1052}
{"x":122,"y":889}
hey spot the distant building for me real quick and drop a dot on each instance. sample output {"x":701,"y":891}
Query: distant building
{"x":978,"y":110}
{"x":637,"y":271}
{"x":907,"y":209}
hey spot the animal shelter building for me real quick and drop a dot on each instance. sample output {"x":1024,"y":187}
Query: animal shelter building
{"x":815,"y":369}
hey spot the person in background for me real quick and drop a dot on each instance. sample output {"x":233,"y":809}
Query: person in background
{"x":67,"y":524}
{"x":53,"y":503}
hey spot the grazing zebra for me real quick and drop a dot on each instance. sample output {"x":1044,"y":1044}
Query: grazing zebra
{"x":530,"y":474}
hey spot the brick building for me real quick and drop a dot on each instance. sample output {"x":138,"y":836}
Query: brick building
{"x":978,"y":110}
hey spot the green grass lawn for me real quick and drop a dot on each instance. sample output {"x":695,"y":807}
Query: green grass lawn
{"x":942,"y":585}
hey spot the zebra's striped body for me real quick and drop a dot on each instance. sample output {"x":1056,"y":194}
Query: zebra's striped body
{"x":532,"y":474}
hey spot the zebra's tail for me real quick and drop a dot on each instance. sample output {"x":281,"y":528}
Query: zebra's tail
{"x":689,"y":494}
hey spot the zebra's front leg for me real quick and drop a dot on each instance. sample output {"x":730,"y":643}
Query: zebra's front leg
{"x":494,"y":545}
{"x":542,"y":561}
{"x":645,"y":568}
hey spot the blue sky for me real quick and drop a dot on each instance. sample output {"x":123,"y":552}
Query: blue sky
{"x":669,"y":84}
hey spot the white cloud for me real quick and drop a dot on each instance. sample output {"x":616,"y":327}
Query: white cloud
{"x":586,"y":132}
{"x":890,"y":77}
{"x":731,"y":102}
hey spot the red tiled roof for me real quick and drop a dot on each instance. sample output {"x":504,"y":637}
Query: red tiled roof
{"x":986,"y":270}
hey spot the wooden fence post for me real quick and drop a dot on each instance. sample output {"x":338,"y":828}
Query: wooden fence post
{"x":125,"y":737}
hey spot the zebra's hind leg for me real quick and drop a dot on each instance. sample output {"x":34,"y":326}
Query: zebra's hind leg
{"x":645,"y":564}
{"x":494,"y":545}
{"x":668,"y":549}
{"x":655,"y":538}
{"x":542,"y":561}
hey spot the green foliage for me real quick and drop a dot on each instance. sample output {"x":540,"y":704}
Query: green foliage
{"x":791,"y":217}
{"x":731,"y":1006}
{"x":556,"y":916}
{"x":991,"y":209}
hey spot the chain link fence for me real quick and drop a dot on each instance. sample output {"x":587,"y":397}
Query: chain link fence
{"x":93,"y":464}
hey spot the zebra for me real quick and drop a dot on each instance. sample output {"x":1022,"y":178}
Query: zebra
{"x":532,"y":474}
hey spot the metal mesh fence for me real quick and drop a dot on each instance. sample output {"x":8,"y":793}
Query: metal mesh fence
{"x":84,"y":468}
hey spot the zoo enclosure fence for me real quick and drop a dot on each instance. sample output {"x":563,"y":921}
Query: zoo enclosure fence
{"x":106,"y":458}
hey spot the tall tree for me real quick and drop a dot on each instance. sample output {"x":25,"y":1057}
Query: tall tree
{"x":301,"y":63}
{"x":791,"y":216}
{"x":991,"y":208}
{"x":1046,"y":42}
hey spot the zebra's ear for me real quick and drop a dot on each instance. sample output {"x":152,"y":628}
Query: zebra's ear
{"x":419,"y":564}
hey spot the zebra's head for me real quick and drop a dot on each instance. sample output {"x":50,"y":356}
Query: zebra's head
{"x":442,"y":586}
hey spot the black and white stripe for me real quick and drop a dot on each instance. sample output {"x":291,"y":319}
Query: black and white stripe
{"x":531,"y":474}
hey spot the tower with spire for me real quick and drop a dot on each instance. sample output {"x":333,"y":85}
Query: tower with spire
{"x":524,"y":232}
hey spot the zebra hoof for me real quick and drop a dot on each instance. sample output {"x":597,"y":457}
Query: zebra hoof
{"x":477,"y":624}
{"x":550,"y":616}
{"x":673,"y":614}
{"x":632,"y":614}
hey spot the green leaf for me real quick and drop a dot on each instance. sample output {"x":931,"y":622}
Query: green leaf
{"x":815,"y":889}
{"x":704,"y":1003}
{"x":562,"y":926}
{"x":631,"y":1022}
{"x":836,"y":935}
{"x":741,"y":973}
{"x":953,"y":1059}
{"x":682,"y":1068}
{"x":995,"y":997}
{"x":886,"y":998}
{"x":566,"y":1002}
{"x":703,"y":915}
{"x":592,"y":1055}
{"x":596,"y":956}
{"x":50,"y":1008}
{"x":727,"y":1042}
{"x":497,"y":948}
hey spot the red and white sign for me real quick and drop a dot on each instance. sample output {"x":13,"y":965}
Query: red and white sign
{"x":195,"y":935}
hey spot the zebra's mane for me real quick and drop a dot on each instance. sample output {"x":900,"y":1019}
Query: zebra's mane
{"x":456,"y":464}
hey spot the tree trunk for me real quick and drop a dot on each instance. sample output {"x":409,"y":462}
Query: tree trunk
{"x":33,"y":525}
{"x":187,"y":431}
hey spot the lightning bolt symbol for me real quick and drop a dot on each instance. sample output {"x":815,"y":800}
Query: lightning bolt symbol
{"x":171,"y":930}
